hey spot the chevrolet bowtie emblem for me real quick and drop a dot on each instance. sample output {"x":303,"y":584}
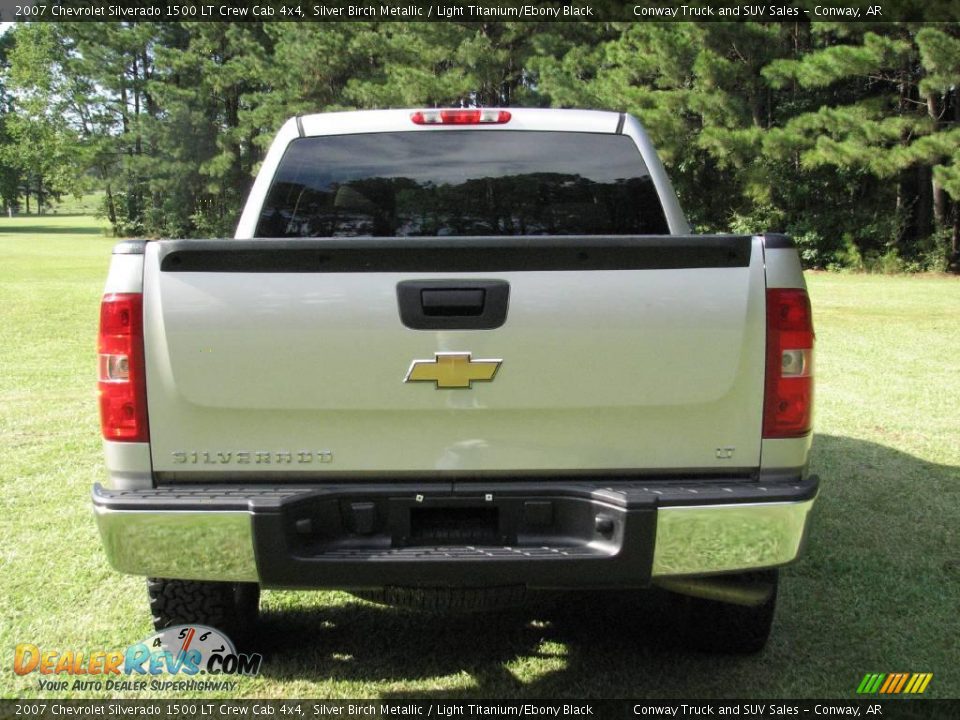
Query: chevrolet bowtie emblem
{"x":452,"y":370}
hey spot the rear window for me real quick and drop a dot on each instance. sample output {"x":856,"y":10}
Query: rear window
{"x":463,"y":182}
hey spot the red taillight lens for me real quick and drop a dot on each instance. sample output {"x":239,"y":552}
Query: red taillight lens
{"x":120,"y":367}
{"x":460,"y":117}
{"x":788,"y":395}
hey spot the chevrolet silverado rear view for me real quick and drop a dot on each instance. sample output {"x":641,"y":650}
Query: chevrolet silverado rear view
{"x":451,"y":356}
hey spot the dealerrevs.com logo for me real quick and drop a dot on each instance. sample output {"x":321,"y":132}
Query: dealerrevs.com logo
{"x":184,"y":652}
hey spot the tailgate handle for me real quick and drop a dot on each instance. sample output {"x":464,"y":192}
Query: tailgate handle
{"x":453,"y":304}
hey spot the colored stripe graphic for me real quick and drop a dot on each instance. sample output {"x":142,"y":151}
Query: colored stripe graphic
{"x":903,"y":681}
{"x":894,"y":683}
{"x":872,"y":682}
{"x":891,"y":679}
{"x":898,"y":680}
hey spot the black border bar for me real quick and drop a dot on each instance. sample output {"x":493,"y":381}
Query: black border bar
{"x":461,"y":254}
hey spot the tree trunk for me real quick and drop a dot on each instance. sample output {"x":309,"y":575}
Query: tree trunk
{"x":906,"y":193}
{"x":111,"y":208}
{"x":953,"y":260}
{"x":906,"y":203}
{"x":955,"y":242}
{"x":151,"y":108}
{"x":939,"y":194}
{"x":923,"y":214}
{"x":939,"y":204}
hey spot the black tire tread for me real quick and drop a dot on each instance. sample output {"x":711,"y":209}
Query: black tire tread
{"x":229,"y":607}
{"x":719,"y":627}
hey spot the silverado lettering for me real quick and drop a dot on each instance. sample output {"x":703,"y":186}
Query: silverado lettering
{"x":266,"y":457}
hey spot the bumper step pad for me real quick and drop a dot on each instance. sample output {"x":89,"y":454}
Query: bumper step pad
{"x":537,"y":533}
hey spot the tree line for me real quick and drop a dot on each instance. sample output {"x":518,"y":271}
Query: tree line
{"x":846,"y":135}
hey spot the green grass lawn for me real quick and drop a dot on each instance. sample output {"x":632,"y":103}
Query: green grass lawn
{"x":877,"y":591}
{"x":85,"y":205}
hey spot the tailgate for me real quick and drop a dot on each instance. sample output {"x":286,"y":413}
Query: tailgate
{"x":289,"y":358}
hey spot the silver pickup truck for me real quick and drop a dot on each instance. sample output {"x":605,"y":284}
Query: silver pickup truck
{"x":452,"y":355}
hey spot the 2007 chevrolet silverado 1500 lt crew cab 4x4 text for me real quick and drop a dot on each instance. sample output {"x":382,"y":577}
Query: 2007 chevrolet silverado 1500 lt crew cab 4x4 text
{"x":451,"y":355}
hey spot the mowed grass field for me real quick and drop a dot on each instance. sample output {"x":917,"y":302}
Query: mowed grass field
{"x":877,"y":591}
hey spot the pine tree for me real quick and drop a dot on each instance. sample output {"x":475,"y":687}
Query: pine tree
{"x":884,"y":115}
{"x":940,"y":57}
{"x":206,"y":84}
{"x":699,"y":92}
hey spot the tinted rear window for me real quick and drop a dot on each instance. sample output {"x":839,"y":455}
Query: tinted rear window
{"x":463,"y":182}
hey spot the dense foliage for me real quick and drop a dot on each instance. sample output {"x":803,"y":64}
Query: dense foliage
{"x":845,"y":135}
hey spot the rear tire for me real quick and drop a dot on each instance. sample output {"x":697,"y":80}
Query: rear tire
{"x":721,"y":627}
{"x":229,"y":607}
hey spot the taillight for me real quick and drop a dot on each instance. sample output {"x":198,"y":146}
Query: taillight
{"x":120,"y":369}
{"x":788,"y":395}
{"x":460,"y":117}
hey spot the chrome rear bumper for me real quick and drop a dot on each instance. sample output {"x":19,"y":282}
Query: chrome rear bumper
{"x":183,"y":544}
{"x":589,"y":535}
